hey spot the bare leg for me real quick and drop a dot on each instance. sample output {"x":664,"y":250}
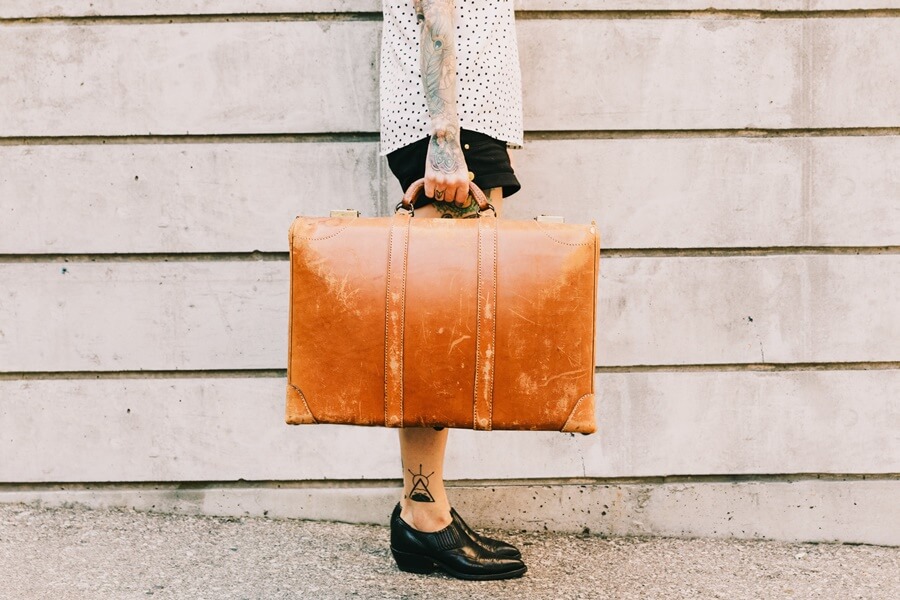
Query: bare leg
{"x":424,"y":505}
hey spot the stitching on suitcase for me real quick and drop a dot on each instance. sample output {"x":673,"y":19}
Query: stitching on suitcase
{"x":595,"y":239}
{"x":302,"y":397}
{"x":574,"y":409}
{"x":493,"y":325}
{"x":403,"y":311}
{"x":493,"y":334}
{"x":541,"y":227}
{"x":324,"y":237}
{"x":387,"y":304}
{"x":290,"y":301}
{"x":477,"y":332}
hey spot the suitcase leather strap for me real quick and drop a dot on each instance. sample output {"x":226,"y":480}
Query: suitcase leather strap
{"x":394,"y":317}
{"x":486,"y":324}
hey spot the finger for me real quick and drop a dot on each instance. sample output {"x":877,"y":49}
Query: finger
{"x":453,"y":196}
{"x":441,"y":182}
{"x":461,"y":195}
{"x":429,"y":187}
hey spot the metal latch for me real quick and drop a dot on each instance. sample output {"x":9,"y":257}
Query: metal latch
{"x":550,"y":219}
{"x":345,"y":213}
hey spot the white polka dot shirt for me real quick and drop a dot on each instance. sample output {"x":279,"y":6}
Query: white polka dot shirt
{"x":488,"y":78}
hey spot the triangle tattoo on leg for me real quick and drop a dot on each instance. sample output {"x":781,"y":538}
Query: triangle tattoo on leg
{"x":419,"y":491}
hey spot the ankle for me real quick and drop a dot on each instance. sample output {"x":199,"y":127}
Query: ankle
{"x":426,"y":517}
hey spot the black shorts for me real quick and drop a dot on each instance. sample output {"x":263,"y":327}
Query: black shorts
{"x":485,"y":156}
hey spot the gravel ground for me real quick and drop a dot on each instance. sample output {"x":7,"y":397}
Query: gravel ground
{"x":81,"y":553}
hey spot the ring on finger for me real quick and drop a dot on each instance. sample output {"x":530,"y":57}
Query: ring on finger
{"x":439,"y":194}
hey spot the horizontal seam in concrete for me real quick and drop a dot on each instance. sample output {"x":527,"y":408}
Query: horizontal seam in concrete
{"x":549,"y":15}
{"x":886,"y":365}
{"x":145,"y":374}
{"x":188,"y":138}
{"x":191,"y":485}
{"x":282,"y":373}
{"x":747,"y":251}
{"x":180,"y":257}
{"x":371,"y":137}
{"x":670,"y":479}
{"x":257,"y":256}
{"x":167,"y":19}
{"x":748,"y":132}
{"x":706,"y":13}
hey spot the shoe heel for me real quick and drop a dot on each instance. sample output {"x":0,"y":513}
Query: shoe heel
{"x":413,"y":563}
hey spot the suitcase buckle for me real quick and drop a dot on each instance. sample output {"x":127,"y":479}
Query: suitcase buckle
{"x":411,"y":210}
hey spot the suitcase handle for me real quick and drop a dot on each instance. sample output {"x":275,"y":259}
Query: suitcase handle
{"x":417,"y":188}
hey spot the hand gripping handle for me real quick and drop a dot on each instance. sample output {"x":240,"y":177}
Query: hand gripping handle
{"x":417,"y":188}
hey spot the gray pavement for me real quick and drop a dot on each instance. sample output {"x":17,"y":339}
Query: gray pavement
{"x":81,"y":553}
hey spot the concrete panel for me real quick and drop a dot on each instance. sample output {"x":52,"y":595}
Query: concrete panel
{"x":233,"y":315}
{"x":862,"y":174}
{"x":264,"y":77}
{"x":143,"y":315}
{"x":240,"y":197}
{"x":749,"y":309}
{"x":801,"y":511}
{"x":120,"y":198}
{"x":653,"y":74}
{"x":810,"y":510}
{"x":848,"y":202}
{"x":79,"y":8}
{"x":668,"y":5}
{"x":42,"y":8}
{"x":716,"y":192}
{"x":189,"y":78}
{"x":664,"y":5}
{"x":694,"y":74}
{"x":870,"y":95}
{"x":649,"y":424}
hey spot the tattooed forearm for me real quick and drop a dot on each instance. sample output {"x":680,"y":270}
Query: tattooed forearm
{"x":438,"y":47}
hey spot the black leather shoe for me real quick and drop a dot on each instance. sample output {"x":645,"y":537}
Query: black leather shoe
{"x":451,"y":550}
{"x":491,"y":545}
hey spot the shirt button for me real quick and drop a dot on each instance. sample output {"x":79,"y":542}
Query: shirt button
{"x":466,"y":146}
{"x":471,"y":176}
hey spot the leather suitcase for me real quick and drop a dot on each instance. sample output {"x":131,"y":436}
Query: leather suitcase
{"x":479,"y":323}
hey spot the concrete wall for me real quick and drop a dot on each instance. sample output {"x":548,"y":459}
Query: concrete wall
{"x":742,"y":158}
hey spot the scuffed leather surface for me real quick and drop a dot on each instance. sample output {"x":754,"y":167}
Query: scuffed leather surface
{"x":347,"y":330}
